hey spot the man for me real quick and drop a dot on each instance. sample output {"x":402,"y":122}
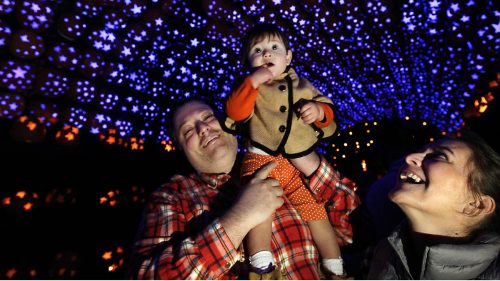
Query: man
{"x":193,"y":226}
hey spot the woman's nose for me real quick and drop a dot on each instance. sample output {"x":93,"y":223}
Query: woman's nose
{"x":415,"y":159}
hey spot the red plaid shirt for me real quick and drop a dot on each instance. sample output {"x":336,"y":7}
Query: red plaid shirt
{"x":340,"y":198}
{"x":182,"y":238}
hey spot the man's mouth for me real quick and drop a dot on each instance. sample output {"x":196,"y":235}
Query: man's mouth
{"x":208,"y":140}
{"x":410,"y":177}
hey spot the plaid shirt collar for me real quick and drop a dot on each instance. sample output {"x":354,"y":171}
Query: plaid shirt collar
{"x":214,"y":180}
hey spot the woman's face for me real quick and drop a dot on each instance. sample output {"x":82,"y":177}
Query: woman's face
{"x":432,"y":185}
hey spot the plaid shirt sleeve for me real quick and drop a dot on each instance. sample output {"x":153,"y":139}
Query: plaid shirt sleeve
{"x":339,"y":195}
{"x":165,"y":249}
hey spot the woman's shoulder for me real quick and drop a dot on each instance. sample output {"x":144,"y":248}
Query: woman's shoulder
{"x":493,"y":270}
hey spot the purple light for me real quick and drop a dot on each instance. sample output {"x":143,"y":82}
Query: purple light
{"x":132,"y":61}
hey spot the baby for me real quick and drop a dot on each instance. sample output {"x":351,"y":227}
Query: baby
{"x":285,"y":116}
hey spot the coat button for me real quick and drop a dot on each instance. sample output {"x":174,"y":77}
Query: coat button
{"x":282,"y":88}
{"x":282,"y":128}
{"x":282,"y":108}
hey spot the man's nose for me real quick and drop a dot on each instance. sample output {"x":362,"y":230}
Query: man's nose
{"x":202,"y":127}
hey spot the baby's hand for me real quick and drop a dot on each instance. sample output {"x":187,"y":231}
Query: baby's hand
{"x":311,"y":112}
{"x":261,"y":75}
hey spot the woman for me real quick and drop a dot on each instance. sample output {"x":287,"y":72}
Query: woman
{"x":449,"y":194}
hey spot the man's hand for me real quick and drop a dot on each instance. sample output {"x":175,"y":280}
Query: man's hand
{"x":262,"y":195}
{"x":258,"y":200}
{"x":311,"y":112}
{"x":260,"y":75}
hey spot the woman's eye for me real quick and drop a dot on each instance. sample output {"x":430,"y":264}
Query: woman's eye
{"x":437,"y":155}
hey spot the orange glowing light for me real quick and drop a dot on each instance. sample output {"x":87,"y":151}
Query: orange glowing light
{"x":111,"y":140}
{"x":33,"y":272}
{"x":61,"y":271}
{"x":112,"y":267}
{"x":107,"y":255}
{"x":21,"y":194}
{"x":69,"y":136}
{"x":31,"y":125}
{"x":6,"y":201}
{"x":10,"y":273}
{"x":168,"y":145}
{"x":28,"y":206}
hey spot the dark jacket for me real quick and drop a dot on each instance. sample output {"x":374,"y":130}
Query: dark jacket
{"x":475,"y":260}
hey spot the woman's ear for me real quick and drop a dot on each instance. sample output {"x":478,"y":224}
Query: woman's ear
{"x":485,"y":206}
{"x":488,"y":204}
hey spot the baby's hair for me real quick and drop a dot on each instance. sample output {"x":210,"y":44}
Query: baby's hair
{"x":256,"y":33}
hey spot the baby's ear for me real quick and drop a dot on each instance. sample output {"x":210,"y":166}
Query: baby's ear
{"x":288,"y":57}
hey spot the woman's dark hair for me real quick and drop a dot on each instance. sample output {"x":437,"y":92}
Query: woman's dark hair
{"x":258,"y":32}
{"x":484,"y":178}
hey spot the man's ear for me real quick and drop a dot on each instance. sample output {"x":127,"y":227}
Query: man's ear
{"x":486,"y":205}
{"x":288,"y":57}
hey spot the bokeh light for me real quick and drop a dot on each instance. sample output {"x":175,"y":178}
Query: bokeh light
{"x":132,"y":61}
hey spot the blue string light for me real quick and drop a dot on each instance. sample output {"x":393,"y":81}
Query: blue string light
{"x":124,"y":65}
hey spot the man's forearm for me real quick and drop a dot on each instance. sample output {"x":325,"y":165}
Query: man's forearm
{"x":235,"y":227}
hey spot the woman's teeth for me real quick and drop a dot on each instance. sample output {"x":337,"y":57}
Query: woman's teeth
{"x":410,"y":177}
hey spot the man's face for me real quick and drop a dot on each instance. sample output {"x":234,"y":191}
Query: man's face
{"x":207,"y":147}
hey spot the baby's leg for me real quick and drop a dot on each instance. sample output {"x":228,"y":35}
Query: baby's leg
{"x":325,"y":238}
{"x":326,"y":241}
{"x":259,"y":240}
{"x":307,"y":164}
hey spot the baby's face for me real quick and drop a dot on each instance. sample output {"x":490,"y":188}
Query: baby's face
{"x":270,"y":52}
